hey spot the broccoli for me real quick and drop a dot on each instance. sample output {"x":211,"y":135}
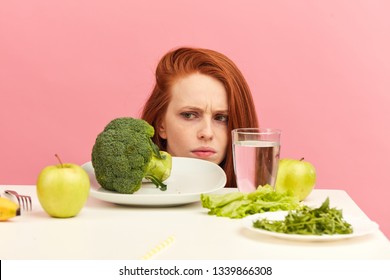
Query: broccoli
{"x":124,"y":154}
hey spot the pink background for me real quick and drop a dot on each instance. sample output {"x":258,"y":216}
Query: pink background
{"x":319,"y":70}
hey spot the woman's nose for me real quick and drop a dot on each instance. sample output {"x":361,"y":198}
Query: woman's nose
{"x":206,"y":131}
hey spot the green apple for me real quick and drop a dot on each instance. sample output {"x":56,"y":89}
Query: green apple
{"x":296,"y":177}
{"x":63,"y":189}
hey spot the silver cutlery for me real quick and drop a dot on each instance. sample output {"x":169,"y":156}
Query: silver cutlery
{"x":24,"y":201}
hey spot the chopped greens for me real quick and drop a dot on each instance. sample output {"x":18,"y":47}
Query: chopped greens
{"x":238,"y":205}
{"x":309,"y":221}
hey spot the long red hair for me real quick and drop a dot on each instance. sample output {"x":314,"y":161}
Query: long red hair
{"x":184,"y":61}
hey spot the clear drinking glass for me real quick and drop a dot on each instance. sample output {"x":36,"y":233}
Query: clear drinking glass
{"x":255,"y":156}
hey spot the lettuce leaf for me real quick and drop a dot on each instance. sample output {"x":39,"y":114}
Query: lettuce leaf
{"x":237,"y":205}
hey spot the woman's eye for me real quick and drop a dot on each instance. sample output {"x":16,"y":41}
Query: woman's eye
{"x":222,"y":118}
{"x":188,"y":115}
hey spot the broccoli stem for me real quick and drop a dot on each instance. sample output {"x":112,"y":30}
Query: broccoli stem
{"x":157,"y":182}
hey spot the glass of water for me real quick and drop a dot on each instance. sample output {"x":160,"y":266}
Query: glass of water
{"x":256,"y":157}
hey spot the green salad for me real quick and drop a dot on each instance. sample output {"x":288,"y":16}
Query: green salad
{"x":309,"y":221}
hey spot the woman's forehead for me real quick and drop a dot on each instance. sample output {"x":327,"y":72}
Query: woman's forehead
{"x":198,"y":90}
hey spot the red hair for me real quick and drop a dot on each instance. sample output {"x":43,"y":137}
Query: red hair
{"x":181,"y":62}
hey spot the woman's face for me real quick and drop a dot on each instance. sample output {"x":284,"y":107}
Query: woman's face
{"x":195,"y":123}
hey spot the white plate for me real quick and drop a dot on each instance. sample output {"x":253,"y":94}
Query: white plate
{"x":189,"y":179}
{"x":360,"y":227}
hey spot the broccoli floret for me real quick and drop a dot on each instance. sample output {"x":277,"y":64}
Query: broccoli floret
{"x":124,"y":154}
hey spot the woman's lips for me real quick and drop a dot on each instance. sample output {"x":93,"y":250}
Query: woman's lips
{"x":204,"y":152}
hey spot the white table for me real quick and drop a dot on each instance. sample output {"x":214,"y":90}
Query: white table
{"x":107,"y":231}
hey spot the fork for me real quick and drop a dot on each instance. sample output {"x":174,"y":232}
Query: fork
{"x":24,"y":201}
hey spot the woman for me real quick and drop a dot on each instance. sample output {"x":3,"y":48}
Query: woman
{"x":199,"y":97}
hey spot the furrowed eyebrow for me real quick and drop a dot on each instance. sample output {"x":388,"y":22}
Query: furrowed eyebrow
{"x":190,"y":108}
{"x":222,"y":112}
